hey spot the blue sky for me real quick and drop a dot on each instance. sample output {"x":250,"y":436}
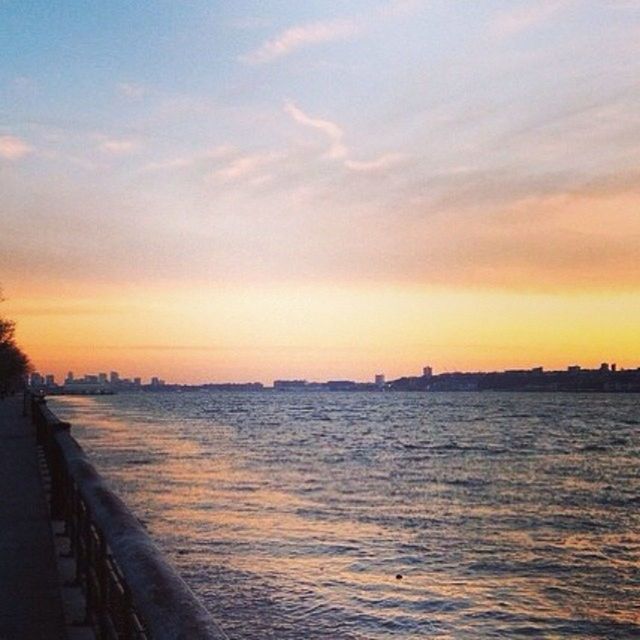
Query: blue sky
{"x":220,"y":118}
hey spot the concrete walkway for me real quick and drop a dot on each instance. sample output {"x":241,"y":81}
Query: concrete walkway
{"x":30,"y":599}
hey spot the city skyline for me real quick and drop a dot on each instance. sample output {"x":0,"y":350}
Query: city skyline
{"x":378,"y":379}
{"x":257,"y":189}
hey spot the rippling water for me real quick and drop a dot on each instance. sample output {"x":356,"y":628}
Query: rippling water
{"x":293,"y":515}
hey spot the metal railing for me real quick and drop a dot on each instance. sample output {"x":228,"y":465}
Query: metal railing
{"x":131,"y":590}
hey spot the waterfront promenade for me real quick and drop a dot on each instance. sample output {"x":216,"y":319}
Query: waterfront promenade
{"x":30,"y":597}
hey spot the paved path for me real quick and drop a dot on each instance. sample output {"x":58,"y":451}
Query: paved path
{"x":30,"y":599}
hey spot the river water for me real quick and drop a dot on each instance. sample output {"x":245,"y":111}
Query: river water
{"x":385,"y":515}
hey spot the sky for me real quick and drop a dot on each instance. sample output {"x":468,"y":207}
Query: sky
{"x":250,"y":190}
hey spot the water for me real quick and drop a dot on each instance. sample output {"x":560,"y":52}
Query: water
{"x":292,"y":515}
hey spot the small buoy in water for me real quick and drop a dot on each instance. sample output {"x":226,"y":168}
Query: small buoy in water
{"x":398,"y":576}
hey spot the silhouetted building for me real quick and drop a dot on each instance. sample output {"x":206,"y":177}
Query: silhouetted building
{"x":341,"y":385}
{"x":289,"y":385}
{"x":36,"y":380}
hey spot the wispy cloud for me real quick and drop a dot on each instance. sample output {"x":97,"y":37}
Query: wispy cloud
{"x":185,"y":161}
{"x":131,"y":90}
{"x":514,"y":21}
{"x":334,"y":133}
{"x":119,"y":146}
{"x":301,"y":36}
{"x":13,"y":148}
{"x":314,"y":33}
{"x":338,"y":150}
{"x":378,"y":164}
{"x":247,"y":166}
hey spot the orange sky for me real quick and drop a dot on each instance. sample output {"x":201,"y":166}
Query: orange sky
{"x":321,"y":332}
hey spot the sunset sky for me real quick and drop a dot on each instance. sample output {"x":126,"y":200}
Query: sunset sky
{"x":236,"y":190}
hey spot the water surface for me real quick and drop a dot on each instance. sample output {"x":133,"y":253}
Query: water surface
{"x":386,"y":515}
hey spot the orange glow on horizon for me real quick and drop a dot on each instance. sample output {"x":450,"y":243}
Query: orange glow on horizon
{"x":320,"y":332}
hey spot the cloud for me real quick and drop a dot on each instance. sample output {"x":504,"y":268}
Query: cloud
{"x":131,"y":90}
{"x":247,"y":166}
{"x":119,"y":146}
{"x":301,"y":36}
{"x":378,"y":164}
{"x":13,"y":148}
{"x":515,"y":21}
{"x":337,"y":149}
{"x":182,"y":162}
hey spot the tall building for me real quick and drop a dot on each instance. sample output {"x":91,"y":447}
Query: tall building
{"x":36,"y":380}
{"x":427,"y":372}
{"x":102,"y":378}
{"x":114,"y":377}
{"x":50,"y":380}
{"x":69,"y":378}
{"x":379,"y":380}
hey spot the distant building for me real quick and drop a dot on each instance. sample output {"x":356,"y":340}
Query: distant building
{"x":379,"y":380}
{"x":102,"y":378}
{"x":137,"y":382}
{"x":289,"y":385}
{"x":427,"y":372}
{"x":604,"y":366}
{"x":574,"y":368}
{"x":50,"y":380}
{"x":341,"y":385}
{"x":69,"y":377}
{"x":36,"y":380}
{"x":114,"y":378}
